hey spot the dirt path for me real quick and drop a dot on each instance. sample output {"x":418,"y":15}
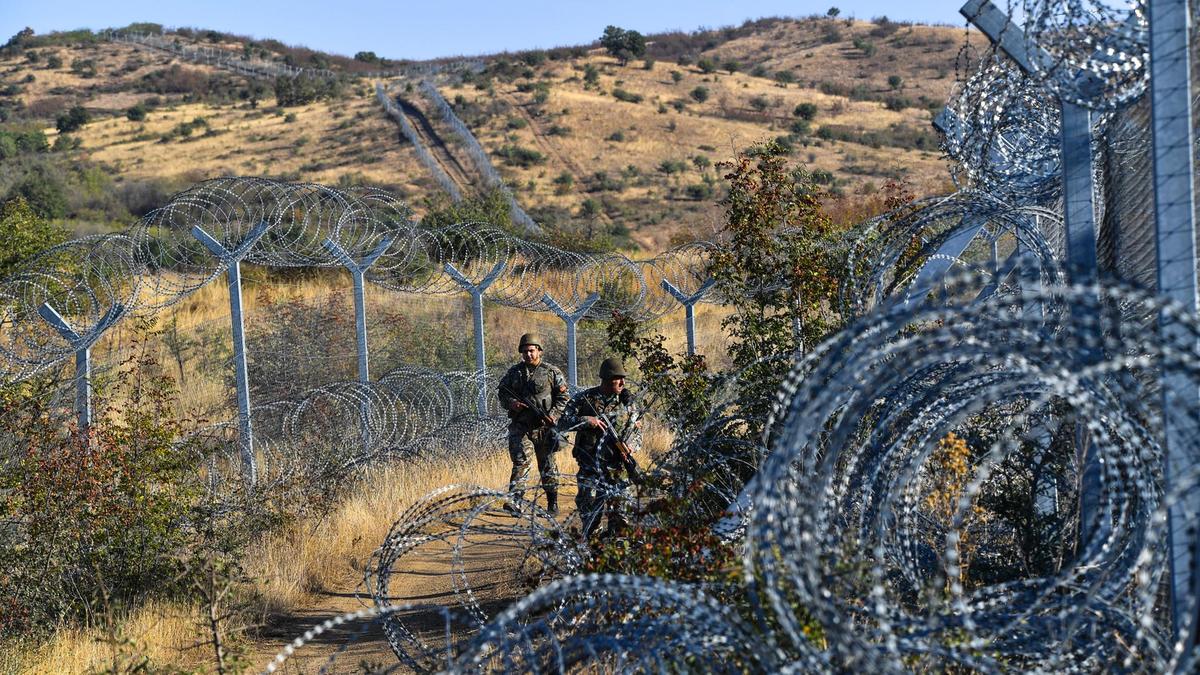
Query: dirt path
{"x":438,"y":148}
{"x":494,"y":565}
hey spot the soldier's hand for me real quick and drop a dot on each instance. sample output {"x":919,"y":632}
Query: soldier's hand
{"x":594,"y":422}
{"x":517,"y":406}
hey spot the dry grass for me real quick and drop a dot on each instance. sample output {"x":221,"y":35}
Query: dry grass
{"x":162,"y":632}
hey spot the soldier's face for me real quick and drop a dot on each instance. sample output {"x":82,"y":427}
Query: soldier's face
{"x":531,"y":355}
{"x":614,"y":385}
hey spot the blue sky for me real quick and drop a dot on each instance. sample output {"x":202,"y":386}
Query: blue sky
{"x":439,"y":27}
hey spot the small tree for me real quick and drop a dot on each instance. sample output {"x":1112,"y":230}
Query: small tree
{"x":699,"y":94}
{"x":24,"y":233}
{"x":72,"y":120}
{"x":136,"y":113}
{"x":707,"y":65}
{"x":732,"y":66}
{"x":622,"y":44}
{"x":833,"y":12}
{"x":775,"y":230}
{"x":895,"y":81}
{"x":805,"y":111}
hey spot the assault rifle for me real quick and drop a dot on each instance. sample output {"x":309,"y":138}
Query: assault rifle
{"x":623,"y":451}
{"x":543,"y":416}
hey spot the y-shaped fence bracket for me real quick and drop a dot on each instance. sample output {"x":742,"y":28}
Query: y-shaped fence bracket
{"x":477,"y":291}
{"x":232,"y":259}
{"x":689,"y":307}
{"x":571,"y":318}
{"x":358,"y":269}
{"x":82,"y":344}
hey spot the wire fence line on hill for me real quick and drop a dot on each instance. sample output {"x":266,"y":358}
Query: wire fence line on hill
{"x":410,"y":133}
{"x":479,"y":157}
{"x":251,"y":66}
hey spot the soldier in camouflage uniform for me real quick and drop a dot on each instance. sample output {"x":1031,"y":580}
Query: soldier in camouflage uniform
{"x":534,"y":393}
{"x":603,"y":474}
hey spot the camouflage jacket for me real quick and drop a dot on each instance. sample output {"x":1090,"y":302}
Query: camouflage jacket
{"x":622,"y":410}
{"x":543,"y":385}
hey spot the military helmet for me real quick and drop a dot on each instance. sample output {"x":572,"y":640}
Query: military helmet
{"x":529,"y":339}
{"x":611,"y":368}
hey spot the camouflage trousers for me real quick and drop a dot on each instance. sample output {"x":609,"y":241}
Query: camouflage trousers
{"x":600,"y":495}
{"x":543,"y":443}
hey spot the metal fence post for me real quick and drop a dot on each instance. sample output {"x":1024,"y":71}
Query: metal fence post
{"x":571,"y":319}
{"x":689,"y":305}
{"x":82,"y":344}
{"x":1078,"y":217}
{"x":357,"y":271}
{"x":1175,"y":234}
{"x":233,"y":260}
{"x":477,"y":291}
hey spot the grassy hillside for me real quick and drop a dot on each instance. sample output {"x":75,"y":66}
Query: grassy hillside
{"x":587,"y":144}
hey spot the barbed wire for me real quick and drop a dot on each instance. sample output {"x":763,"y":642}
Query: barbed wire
{"x":160,"y":260}
{"x":1092,"y":53}
{"x":842,"y":509}
{"x":1003,"y":134}
{"x":903,"y":256}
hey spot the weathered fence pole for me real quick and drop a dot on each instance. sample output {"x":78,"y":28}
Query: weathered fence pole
{"x":477,"y":291}
{"x":232,"y":259}
{"x":571,"y":319}
{"x":1175,"y":239}
{"x":689,"y":307}
{"x":358,"y":269}
{"x":82,"y":344}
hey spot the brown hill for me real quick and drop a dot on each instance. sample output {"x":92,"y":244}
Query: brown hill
{"x":586,"y":144}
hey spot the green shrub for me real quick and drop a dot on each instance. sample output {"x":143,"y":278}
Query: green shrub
{"x":72,"y":120}
{"x":699,"y":191}
{"x":136,"y":113}
{"x":805,"y":111}
{"x":707,"y":65}
{"x":672,"y":166}
{"x":627,"y":96}
{"x":617,"y":136}
{"x":24,"y":234}
{"x":515,"y":155}
{"x":699,"y":94}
